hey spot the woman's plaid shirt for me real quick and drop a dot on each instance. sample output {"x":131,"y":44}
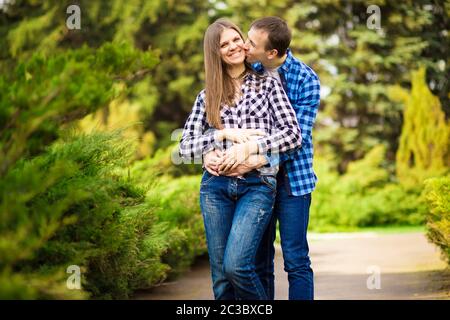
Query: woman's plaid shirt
{"x":263,"y":105}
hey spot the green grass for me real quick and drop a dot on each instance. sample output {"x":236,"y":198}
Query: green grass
{"x":379,"y":230}
{"x":393,"y":229}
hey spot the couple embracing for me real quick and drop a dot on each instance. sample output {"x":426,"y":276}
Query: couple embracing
{"x":252,"y":126}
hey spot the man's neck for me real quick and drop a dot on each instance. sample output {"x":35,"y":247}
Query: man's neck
{"x":275,"y":63}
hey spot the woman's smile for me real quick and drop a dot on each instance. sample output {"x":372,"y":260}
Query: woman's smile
{"x":238,"y":53}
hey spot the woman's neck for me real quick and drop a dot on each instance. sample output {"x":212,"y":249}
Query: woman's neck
{"x":235,"y":71}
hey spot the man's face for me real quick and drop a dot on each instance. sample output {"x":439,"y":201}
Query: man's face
{"x":255,"y":46}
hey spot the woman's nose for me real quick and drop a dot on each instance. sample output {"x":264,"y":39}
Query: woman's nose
{"x":233,"y":46}
{"x":242,"y":45}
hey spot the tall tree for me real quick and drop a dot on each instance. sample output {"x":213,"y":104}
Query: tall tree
{"x":424,"y":149}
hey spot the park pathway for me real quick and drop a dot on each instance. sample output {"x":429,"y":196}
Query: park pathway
{"x":345,"y":265}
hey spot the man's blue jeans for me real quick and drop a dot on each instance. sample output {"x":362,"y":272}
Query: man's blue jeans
{"x":236,"y":213}
{"x":292,"y":213}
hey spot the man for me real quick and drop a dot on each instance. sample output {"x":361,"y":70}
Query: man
{"x":267,"y":49}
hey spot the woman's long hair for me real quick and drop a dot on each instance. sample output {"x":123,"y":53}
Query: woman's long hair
{"x":219,"y":87}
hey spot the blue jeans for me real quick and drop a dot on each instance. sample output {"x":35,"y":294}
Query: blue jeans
{"x":292,"y":213}
{"x":236,"y":213}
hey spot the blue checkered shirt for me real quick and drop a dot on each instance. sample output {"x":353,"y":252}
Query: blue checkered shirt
{"x":302,"y":86}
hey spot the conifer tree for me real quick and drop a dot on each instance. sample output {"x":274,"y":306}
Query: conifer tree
{"x":425,"y":140}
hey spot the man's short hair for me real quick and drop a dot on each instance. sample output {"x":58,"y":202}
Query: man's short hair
{"x":279,"y":34}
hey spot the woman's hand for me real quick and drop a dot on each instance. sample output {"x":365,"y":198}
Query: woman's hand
{"x":239,"y":135}
{"x":212,"y":160}
{"x":237,"y":154}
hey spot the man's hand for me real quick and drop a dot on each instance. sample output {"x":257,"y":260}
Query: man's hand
{"x":212,"y":161}
{"x":239,"y":135}
{"x":253,"y":162}
{"x":237,"y":154}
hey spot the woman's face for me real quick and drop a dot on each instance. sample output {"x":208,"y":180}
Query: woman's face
{"x":231,"y":47}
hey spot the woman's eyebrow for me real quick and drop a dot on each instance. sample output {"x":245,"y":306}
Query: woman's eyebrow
{"x":234,"y":39}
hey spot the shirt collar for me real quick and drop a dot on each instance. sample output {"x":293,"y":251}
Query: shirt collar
{"x":288,"y":62}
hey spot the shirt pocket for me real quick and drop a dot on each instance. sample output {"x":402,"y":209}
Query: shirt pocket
{"x":256,"y":105}
{"x":225,"y":113}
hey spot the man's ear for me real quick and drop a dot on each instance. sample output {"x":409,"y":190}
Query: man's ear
{"x":272,"y":54}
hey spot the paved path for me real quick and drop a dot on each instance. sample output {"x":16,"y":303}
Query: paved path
{"x":409,"y":268}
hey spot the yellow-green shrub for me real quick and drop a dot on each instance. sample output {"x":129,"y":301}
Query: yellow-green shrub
{"x":437,"y":195}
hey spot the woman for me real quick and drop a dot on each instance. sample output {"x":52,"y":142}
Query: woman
{"x":253,"y":112}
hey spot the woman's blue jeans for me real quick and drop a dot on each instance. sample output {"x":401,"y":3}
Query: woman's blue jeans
{"x":236,"y":212}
